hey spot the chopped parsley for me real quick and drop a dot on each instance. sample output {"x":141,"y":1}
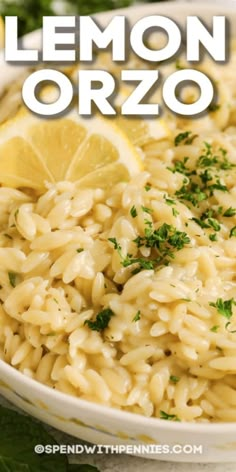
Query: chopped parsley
{"x":224,"y":307}
{"x":169,"y":201}
{"x":210,"y":159}
{"x":174,"y":379}
{"x":213,"y":107}
{"x":133,"y":212}
{"x":184,"y":138}
{"x":166,"y":240}
{"x":175,"y":212}
{"x":147,"y":187}
{"x":213,"y":237}
{"x":166,"y":416}
{"x":230,"y":212}
{"x":232,"y":232}
{"x":137,"y":316}
{"x":147,"y":210}
{"x":200,"y":223}
{"x":117,"y":246}
{"x":215,"y":328}
{"x":227,"y":326}
{"x":214,"y":224}
{"x":180,"y":166}
{"x":102,"y":320}
{"x":12,"y":278}
{"x":191,"y":193}
{"x":80,"y":250}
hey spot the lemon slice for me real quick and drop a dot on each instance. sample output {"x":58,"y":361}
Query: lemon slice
{"x":138,"y":129}
{"x":93,"y":152}
{"x":2,"y":30}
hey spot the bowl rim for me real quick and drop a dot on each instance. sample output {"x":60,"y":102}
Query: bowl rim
{"x":216,"y":428}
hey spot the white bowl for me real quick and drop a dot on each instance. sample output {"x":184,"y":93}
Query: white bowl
{"x":100,"y":424}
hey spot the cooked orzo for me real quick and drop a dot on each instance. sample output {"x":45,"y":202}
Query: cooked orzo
{"x":127,"y":296}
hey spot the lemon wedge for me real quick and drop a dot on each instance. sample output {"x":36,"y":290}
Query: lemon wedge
{"x":2,"y":32}
{"x":93,"y":152}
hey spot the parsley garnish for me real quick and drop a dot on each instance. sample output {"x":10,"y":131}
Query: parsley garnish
{"x":169,"y":201}
{"x":166,"y":416}
{"x":226,"y":327}
{"x":147,"y":210}
{"x":117,"y":246}
{"x":175,"y":212}
{"x":133,"y":212}
{"x":164,"y":239}
{"x":102,"y":320}
{"x":137,"y":316}
{"x":174,"y":379}
{"x":232,"y":232}
{"x":215,"y":328}
{"x":147,"y":187}
{"x":180,"y":166}
{"x":184,"y":138}
{"x":80,"y":250}
{"x":230,"y":212}
{"x":213,"y":107}
{"x":12,"y":278}
{"x":191,"y":193}
{"x":224,"y":307}
{"x":213,"y":237}
{"x":214,"y":224}
{"x":200,"y":223}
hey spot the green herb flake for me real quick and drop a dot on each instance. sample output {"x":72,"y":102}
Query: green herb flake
{"x":79,"y":250}
{"x":147,"y":187}
{"x":169,"y":201}
{"x":137,"y":316}
{"x":224,"y":307}
{"x":133,"y":212}
{"x":215,"y":328}
{"x":174,"y":379}
{"x":184,"y":138}
{"x":232,"y":232}
{"x":147,"y":210}
{"x":214,"y":224}
{"x":117,"y":246}
{"x":166,"y":416}
{"x":227,"y":328}
{"x":213,"y":237}
{"x":230,"y":212}
{"x":102,"y":320}
{"x":16,"y":213}
{"x":12,"y":278}
{"x":175,"y":212}
{"x":213,"y":107}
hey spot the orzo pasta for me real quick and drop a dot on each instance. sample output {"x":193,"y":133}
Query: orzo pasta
{"x":127,"y":297}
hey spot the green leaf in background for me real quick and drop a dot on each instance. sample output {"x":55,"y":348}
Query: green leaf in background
{"x":19,"y":434}
{"x":82,"y":468}
{"x":30,"y":12}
